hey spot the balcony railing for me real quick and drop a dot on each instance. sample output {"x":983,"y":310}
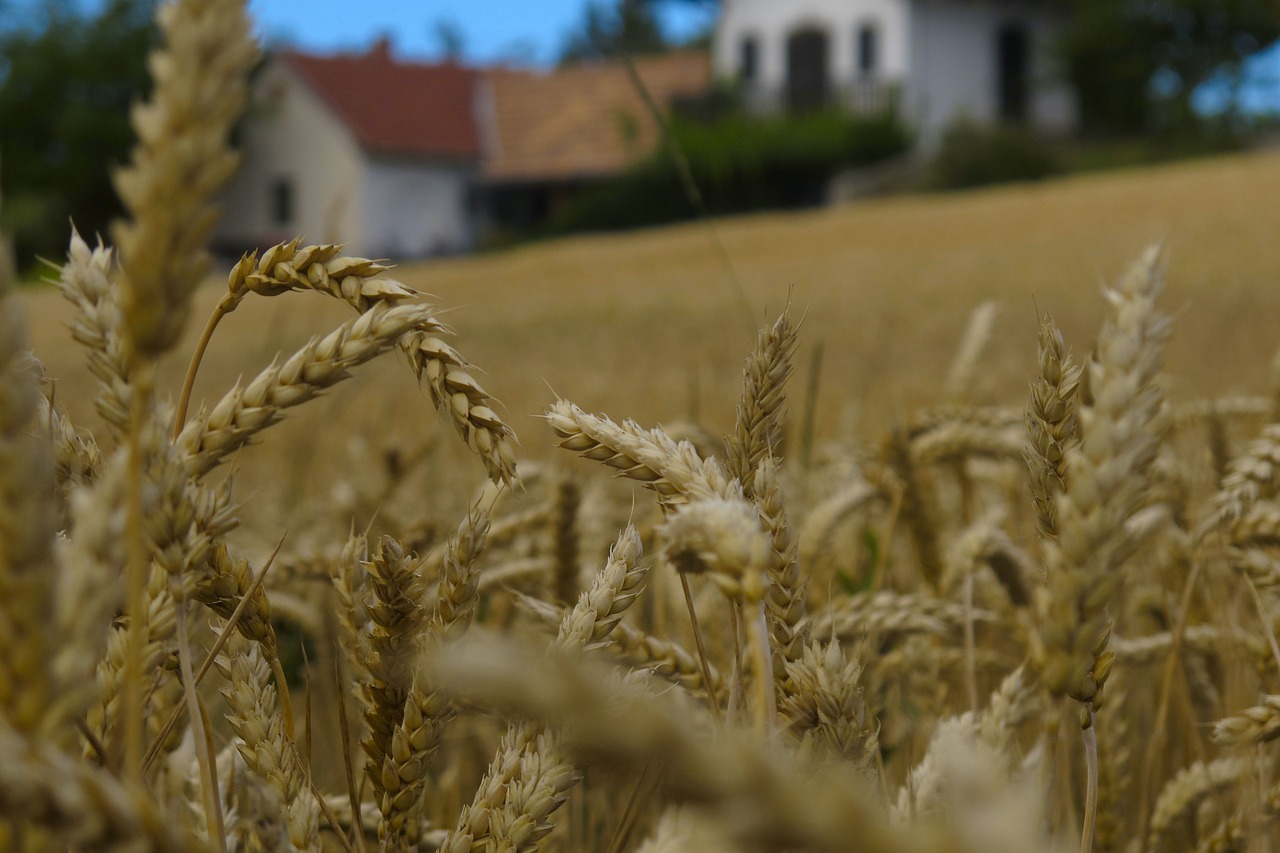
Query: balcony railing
{"x":861,"y":97}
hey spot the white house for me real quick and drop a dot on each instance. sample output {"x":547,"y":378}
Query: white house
{"x":936,"y":60}
{"x":401,"y":159}
{"x":362,"y":149}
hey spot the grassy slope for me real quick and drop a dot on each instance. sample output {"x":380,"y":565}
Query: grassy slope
{"x":643,"y":325}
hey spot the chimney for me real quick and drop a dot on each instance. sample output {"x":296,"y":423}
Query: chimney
{"x":381,"y":48}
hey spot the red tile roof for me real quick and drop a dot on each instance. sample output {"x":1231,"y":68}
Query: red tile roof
{"x":397,"y":107}
{"x":580,"y":121}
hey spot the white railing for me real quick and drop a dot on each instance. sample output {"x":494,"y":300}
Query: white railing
{"x":861,"y":96}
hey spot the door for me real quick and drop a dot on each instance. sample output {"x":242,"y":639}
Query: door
{"x":808,"y":82}
{"x":1013,"y":61}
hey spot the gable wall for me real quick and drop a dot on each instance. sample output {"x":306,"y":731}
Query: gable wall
{"x":291,"y":135}
{"x":413,"y":209}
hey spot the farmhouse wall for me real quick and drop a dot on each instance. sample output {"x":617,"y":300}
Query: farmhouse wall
{"x":296,"y":155}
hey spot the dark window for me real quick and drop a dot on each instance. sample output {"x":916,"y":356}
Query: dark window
{"x":748,"y":64}
{"x":282,"y":202}
{"x":807,"y":78}
{"x":1013,"y":51}
{"x":868,"y":49}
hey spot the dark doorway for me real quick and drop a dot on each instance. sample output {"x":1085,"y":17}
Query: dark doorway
{"x":1013,"y":58}
{"x":749,"y":60}
{"x":807,"y":78}
{"x":868,"y":50}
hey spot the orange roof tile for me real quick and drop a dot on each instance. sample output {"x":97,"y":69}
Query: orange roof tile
{"x":397,"y":107}
{"x":579,"y":121}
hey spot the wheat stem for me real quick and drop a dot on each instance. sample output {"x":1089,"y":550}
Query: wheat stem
{"x":1090,"y":735}
{"x":222,"y":309}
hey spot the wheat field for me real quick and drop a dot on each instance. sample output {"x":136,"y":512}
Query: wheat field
{"x":955,"y":529}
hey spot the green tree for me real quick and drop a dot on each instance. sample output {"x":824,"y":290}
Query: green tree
{"x":610,"y":29}
{"x":1136,"y":63}
{"x":67,"y":80}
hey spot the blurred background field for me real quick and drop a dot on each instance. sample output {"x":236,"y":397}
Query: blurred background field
{"x":645,"y":325}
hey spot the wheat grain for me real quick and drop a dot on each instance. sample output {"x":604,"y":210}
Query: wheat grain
{"x":1051,"y":424}
{"x":263,"y":742}
{"x":757,"y":431}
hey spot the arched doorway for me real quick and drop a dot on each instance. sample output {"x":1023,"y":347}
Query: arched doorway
{"x":808,"y":83}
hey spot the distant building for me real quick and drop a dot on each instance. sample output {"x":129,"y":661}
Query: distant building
{"x":404,"y":159}
{"x":363,"y":149}
{"x":548,"y":135}
{"x":936,"y":60}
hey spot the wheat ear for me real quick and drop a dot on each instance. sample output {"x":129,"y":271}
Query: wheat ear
{"x":662,"y":657}
{"x":917,"y":506}
{"x":85,"y":282}
{"x":672,"y":469}
{"x":1187,"y":789}
{"x":1108,"y":474}
{"x":530,"y":777}
{"x":211,"y":436}
{"x":179,"y":164}
{"x":77,"y":457}
{"x":1251,"y":477}
{"x":80,"y":805}
{"x":824,"y":711}
{"x":889,"y":614}
{"x":785,"y":599}
{"x":27,"y":517}
{"x":757,"y":431}
{"x":264,"y":744}
{"x":359,"y":282}
{"x":1121,"y":427}
{"x":564,"y":531}
{"x":427,"y":709}
{"x":762,"y":796}
{"x":964,"y":366}
{"x":1051,"y":424}
{"x":398,"y":619}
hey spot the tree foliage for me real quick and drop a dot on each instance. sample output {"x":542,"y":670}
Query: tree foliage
{"x":610,"y":29}
{"x":67,"y":80}
{"x":1136,"y":63}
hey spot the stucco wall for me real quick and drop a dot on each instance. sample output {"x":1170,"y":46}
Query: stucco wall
{"x":954,"y":65}
{"x":413,"y":209}
{"x":291,"y":135}
{"x":772,"y":21}
{"x":940,"y":53}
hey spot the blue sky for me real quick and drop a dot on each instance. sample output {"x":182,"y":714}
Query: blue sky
{"x":493,"y":30}
{"x":531,"y":32}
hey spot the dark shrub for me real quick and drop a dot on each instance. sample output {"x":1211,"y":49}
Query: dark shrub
{"x":739,"y":163}
{"x":971,"y":155}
